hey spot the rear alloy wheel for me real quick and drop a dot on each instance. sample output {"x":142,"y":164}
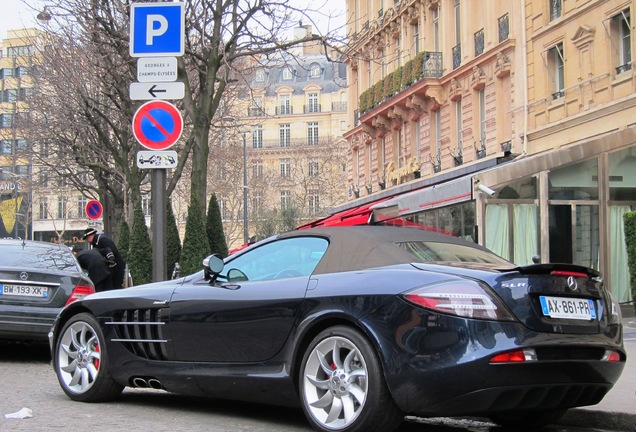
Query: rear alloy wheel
{"x":81,"y":361}
{"x":342,"y":387}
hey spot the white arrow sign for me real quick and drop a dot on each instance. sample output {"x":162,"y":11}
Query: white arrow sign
{"x":157,"y":90}
{"x":156,"y":69}
{"x":157,"y":159}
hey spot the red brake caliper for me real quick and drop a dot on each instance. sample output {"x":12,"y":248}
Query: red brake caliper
{"x":96,"y":362}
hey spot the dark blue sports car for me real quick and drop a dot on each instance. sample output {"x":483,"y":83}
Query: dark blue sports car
{"x":360,"y":326}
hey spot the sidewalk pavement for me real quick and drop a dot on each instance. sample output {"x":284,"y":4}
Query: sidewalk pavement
{"x":617,"y":411}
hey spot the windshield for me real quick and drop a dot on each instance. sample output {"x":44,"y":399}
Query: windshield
{"x":450,"y":252}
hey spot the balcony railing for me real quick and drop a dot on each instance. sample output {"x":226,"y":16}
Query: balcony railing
{"x":479,"y":42}
{"x":284,"y":110}
{"x":312,"y":108}
{"x":339,"y":106}
{"x":457,"y":56}
{"x":504,"y":27}
{"x":293,"y":142}
{"x":255,"y":112}
{"x":427,"y":64}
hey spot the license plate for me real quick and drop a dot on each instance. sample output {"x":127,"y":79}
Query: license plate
{"x":568,"y":308}
{"x":24,"y":291}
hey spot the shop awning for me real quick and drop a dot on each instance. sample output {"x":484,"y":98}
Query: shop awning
{"x":440,"y":195}
{"x":355,"y":216}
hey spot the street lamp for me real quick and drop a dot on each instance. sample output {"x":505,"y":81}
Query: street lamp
{"x":246,"y":235}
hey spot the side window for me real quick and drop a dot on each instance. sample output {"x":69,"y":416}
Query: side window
{"x":281,"y":259}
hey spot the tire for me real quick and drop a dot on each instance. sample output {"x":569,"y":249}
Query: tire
{"x":528,"y":420}
{"x":81,"y":361}
{"x":342,"y":387}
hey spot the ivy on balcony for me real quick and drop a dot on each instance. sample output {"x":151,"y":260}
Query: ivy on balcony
{"x":425,"y":65}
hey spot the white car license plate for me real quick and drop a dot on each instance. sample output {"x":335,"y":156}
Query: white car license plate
{"x":568,"y":307}
{"x":24,"y":291}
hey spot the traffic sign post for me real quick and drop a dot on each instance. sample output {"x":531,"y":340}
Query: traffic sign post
{"x":157,"y":33}
{"x":94,"y":209}
{"x":157,"y":29}
{"x":157,"y":125}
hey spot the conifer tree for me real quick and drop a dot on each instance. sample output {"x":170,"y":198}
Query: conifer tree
{"x":124,"y":239}
{"x":140,"y":254}
{"x":214,"y":228}
{"x":173,"y":252}
{"x":195,"y":244}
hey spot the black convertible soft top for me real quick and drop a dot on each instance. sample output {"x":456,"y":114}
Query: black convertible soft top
{"x":368,"y":246}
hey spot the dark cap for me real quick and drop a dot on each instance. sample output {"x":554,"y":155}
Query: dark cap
{"x":89,"y":231}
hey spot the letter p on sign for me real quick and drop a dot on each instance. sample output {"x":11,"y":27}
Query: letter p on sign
{"x":155,"y":30}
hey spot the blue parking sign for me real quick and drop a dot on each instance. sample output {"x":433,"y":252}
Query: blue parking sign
{"x":157,"y":29}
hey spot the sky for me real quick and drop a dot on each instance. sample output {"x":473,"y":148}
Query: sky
{"x":15,"y":14}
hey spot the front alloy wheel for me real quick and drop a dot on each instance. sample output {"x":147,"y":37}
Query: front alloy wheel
{"x":80,"y":361}
{"x":342,"y":387}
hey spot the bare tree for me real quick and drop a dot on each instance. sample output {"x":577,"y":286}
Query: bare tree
{"x":83,"y":101}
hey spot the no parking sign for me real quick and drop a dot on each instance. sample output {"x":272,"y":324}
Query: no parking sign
{"x":157,"y":125}
{"x":94,"y":209}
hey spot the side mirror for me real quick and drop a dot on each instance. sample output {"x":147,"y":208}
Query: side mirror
{"x":212,"y":266}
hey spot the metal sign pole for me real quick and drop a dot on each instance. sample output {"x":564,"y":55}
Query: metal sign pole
{"x":159,"y":224}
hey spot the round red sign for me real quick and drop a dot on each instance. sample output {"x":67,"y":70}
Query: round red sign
{"x":157,"y":125}
{"x":94,"y":209}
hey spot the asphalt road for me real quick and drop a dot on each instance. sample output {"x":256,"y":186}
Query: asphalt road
{"x":27,"y":381}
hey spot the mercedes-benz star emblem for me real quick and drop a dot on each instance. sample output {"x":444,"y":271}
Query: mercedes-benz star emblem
{"x":24,"y":275}
{"x":572,"y":283}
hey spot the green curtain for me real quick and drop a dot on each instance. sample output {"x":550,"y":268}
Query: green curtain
{"x":525,"y":226}
{"x":497,"y":229}
{"x":620,"y":287}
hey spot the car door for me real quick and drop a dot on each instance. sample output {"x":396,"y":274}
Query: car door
{"x":248,"y":314}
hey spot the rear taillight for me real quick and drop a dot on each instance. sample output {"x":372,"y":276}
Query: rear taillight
{"x":517,"y":356}
{"x":611,"y":356}
{"x":80,"y":292}
{"x":567,"y":273}
{"x":463,"y":298}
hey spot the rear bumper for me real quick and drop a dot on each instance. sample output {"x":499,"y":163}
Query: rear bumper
{"x":26,"y":323}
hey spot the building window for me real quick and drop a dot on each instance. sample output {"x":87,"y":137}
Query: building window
{"x":314,"y":71}
{"x":6,"y":73}
{"x":313,"y":106}
{"x":285,"y":168}
{"x":256,"y":202}
{"x":555,"y":9}
{"x":6,"y":147}
{"x":257,"y":136}
{"x":23,"y":71}
{"x":43,"y":178}
{"x":313,"y":168}
{"x":10,"y":95}
{"x":21,"y":146}
{"x":6,"y":120}
{"x":284,"y":105}
{"x":284,"y":132}
{"x":314,"y":201}
{"x":15,"y":51}
{"x":503,"y":23}
{"x":81,"y":207}
{"x":312,"y":133}
{"x":458,"y":127}
{"x":43,"y":208}
{"x":257,"y":169}
{"x":555,"y":67}
{"x":437,"y":161}
{"x":146,"y":204}
{"x":622,"y":39}
{"x":481,"y":96}
{"x":61,"y":208}
{"x":285,"y":199}
{"x":287,"y":73}
{"x":259,"y":75}
{"x":436,"y":29}
{"x":416,"y":38}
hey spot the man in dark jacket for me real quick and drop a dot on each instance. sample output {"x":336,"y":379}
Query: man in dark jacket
{"x":97,"y":267}
{"x":109,"y":250}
